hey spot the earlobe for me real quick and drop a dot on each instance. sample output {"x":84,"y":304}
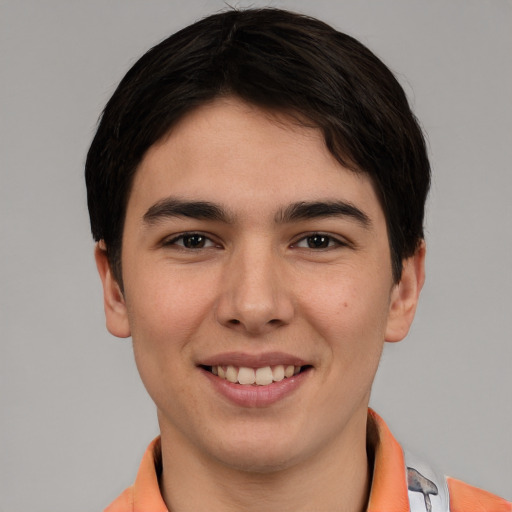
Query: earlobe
{"x":115,"y":307}
{"x":405,"y":296}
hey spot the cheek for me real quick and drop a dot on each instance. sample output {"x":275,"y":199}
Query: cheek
{"x":164,"y":310}
{"x":350,"y":312}
{"x":165,"y":313}
{"x":347,"y":304}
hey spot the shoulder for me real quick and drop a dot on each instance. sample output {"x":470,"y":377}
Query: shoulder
{"x":124,"y":502}
{"x":464,"y":498}
{"x":144,"y":495}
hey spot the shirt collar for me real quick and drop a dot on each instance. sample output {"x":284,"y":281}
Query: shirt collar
{"x":389,"y":481}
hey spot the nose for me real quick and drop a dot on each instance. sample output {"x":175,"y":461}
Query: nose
{"x":255,"y":295}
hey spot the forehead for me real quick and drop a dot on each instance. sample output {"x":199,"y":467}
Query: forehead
{"x":234,"y":153}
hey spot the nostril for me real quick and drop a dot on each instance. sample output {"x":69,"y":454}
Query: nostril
{"x":234,"y":321}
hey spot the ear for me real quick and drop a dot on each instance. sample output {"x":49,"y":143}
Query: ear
{"x":115,"y":307}
{"x":405,"y":296}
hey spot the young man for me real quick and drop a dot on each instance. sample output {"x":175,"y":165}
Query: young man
{"x":256,"y":189}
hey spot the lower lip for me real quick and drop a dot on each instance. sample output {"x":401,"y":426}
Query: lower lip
{"x":256,"y":396}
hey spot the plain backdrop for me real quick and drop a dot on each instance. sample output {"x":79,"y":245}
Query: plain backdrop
{"x":75,"y":419}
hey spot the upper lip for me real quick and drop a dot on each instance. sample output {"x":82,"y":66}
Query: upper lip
{"x":253,"y":360}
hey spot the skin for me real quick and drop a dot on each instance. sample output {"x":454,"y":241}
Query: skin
{"x":258,"y":284}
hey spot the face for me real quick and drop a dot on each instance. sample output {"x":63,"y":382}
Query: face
{"x":257,"y":288}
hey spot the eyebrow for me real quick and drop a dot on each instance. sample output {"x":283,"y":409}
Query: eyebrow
{"x":171,"y":207}
{"x":322,"y":209}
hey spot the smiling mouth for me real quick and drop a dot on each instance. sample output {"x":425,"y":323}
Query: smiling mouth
{"x":255,"y":376}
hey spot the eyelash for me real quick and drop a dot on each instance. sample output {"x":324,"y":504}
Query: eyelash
{"x":323,"y":237}
{"x":183,"y":236}
{"x":332,"y":241}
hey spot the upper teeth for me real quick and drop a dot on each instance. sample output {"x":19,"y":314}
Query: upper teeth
{"x":259,"y":376}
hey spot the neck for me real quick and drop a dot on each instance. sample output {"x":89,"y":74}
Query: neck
{"x":334,"y":478}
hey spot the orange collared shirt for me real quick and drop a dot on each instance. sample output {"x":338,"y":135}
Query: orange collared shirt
{"x":389,"y":491}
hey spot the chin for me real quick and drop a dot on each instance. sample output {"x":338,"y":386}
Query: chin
{"x":260,"y":454}
{"x":258,"y":462}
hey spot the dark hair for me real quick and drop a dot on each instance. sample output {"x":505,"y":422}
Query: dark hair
{"x":278,"y":60}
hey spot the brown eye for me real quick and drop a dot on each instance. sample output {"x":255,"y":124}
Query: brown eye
{"x":194,"y":241}
{"x":318,"y":241}
{"x":190,"y":241}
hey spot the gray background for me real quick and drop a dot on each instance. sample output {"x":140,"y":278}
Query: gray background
{"x":74,"y":418}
